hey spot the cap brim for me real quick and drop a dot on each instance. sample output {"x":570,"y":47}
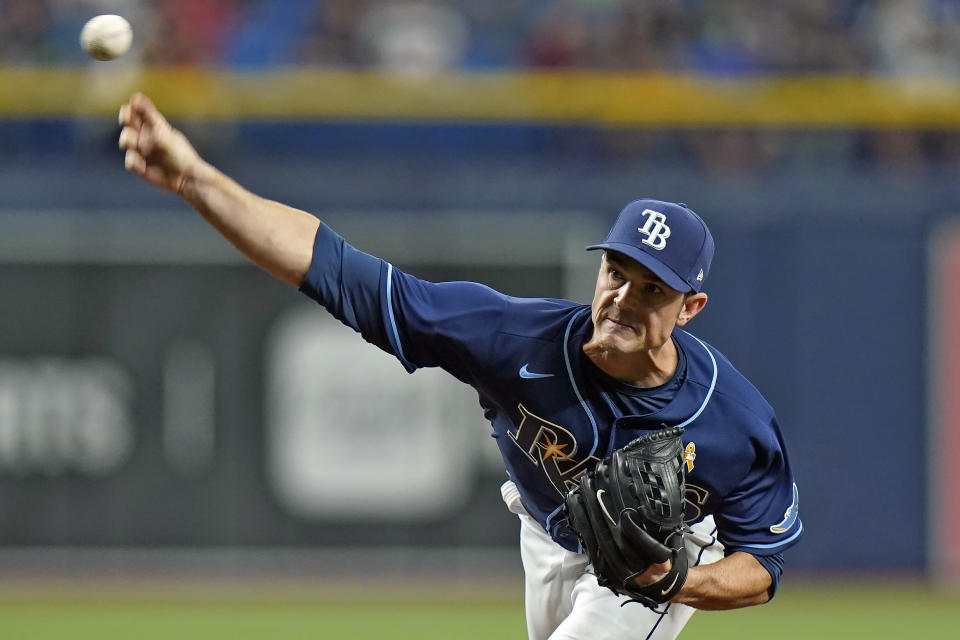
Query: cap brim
{"x":662,"y":271}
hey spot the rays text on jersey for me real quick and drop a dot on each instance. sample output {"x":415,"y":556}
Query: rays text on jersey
{"x":552,"y":448}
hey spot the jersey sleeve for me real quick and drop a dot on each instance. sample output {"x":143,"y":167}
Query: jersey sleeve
{"x":761,"y":515}
{"x":774,"y":566}
{"x":424,"y":324}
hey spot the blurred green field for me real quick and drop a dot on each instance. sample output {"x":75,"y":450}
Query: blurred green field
{"x":830,"y":610}
{"x":164,"y":610}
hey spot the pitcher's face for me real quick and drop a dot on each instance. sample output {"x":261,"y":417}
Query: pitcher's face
{"x":633,"y":310}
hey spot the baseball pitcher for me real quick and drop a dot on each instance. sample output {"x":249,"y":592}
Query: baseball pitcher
{"x":649,"y":476}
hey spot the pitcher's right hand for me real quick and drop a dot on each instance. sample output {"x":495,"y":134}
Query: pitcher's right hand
{"x":155,"y":151}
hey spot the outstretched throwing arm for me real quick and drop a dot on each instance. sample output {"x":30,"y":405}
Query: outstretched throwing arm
{"x":277,"y":238}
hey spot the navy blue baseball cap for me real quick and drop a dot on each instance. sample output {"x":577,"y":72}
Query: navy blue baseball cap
{"x":667,"y":238}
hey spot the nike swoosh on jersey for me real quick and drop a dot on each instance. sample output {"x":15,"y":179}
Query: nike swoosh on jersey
{"x":530,"y":375}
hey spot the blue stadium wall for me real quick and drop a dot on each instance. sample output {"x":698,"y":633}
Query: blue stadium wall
{"x":819,"y":294}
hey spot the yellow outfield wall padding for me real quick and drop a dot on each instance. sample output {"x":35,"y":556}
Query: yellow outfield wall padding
{"x":564,"y":98}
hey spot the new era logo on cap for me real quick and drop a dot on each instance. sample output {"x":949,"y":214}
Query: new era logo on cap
{"x":667,"y":238}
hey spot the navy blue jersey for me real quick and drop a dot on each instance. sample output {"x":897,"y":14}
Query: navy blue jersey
{"x":554,"y":416}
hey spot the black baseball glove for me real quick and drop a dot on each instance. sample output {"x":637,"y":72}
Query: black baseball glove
{"x":628,"y":514}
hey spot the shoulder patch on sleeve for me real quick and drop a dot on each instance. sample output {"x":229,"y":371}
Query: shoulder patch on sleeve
{"x":790,"y":515}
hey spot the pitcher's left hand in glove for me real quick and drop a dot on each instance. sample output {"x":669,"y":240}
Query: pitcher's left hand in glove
{"x":628,"y":514}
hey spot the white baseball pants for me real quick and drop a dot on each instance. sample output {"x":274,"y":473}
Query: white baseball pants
{"x":564,"y":601}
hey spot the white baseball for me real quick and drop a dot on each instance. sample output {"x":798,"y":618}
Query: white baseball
{"x":106,"y":37}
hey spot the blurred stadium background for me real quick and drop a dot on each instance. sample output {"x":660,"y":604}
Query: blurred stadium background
{"x":186,"y":444}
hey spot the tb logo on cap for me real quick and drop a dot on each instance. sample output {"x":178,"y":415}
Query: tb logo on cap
{"x":655,"y":228}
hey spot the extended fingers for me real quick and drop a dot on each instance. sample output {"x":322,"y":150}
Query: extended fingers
{"x":133,"y":161}
{"x":128,"y":116}
{"x":131,"y":141}
{"x":131,"y":123}
{"x":142,"y":107}
{"x":141,"y":140}
{"x":129,"y":138}
{"x":139,"y":109}
{"x":144,"y":139}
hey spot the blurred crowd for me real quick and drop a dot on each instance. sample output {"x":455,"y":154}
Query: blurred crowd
{"x":728,"y":37}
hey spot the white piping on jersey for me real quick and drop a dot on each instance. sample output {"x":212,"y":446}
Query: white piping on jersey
{"x":586,"y":409}
{"x":776,"y":544}
{"x":550,"y":519}
{"x":573,"y":382}
{"x":593,"y":422}
{"x":393,"y":322}
{"x":576,"y":390}
{"x":713,"y":383}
